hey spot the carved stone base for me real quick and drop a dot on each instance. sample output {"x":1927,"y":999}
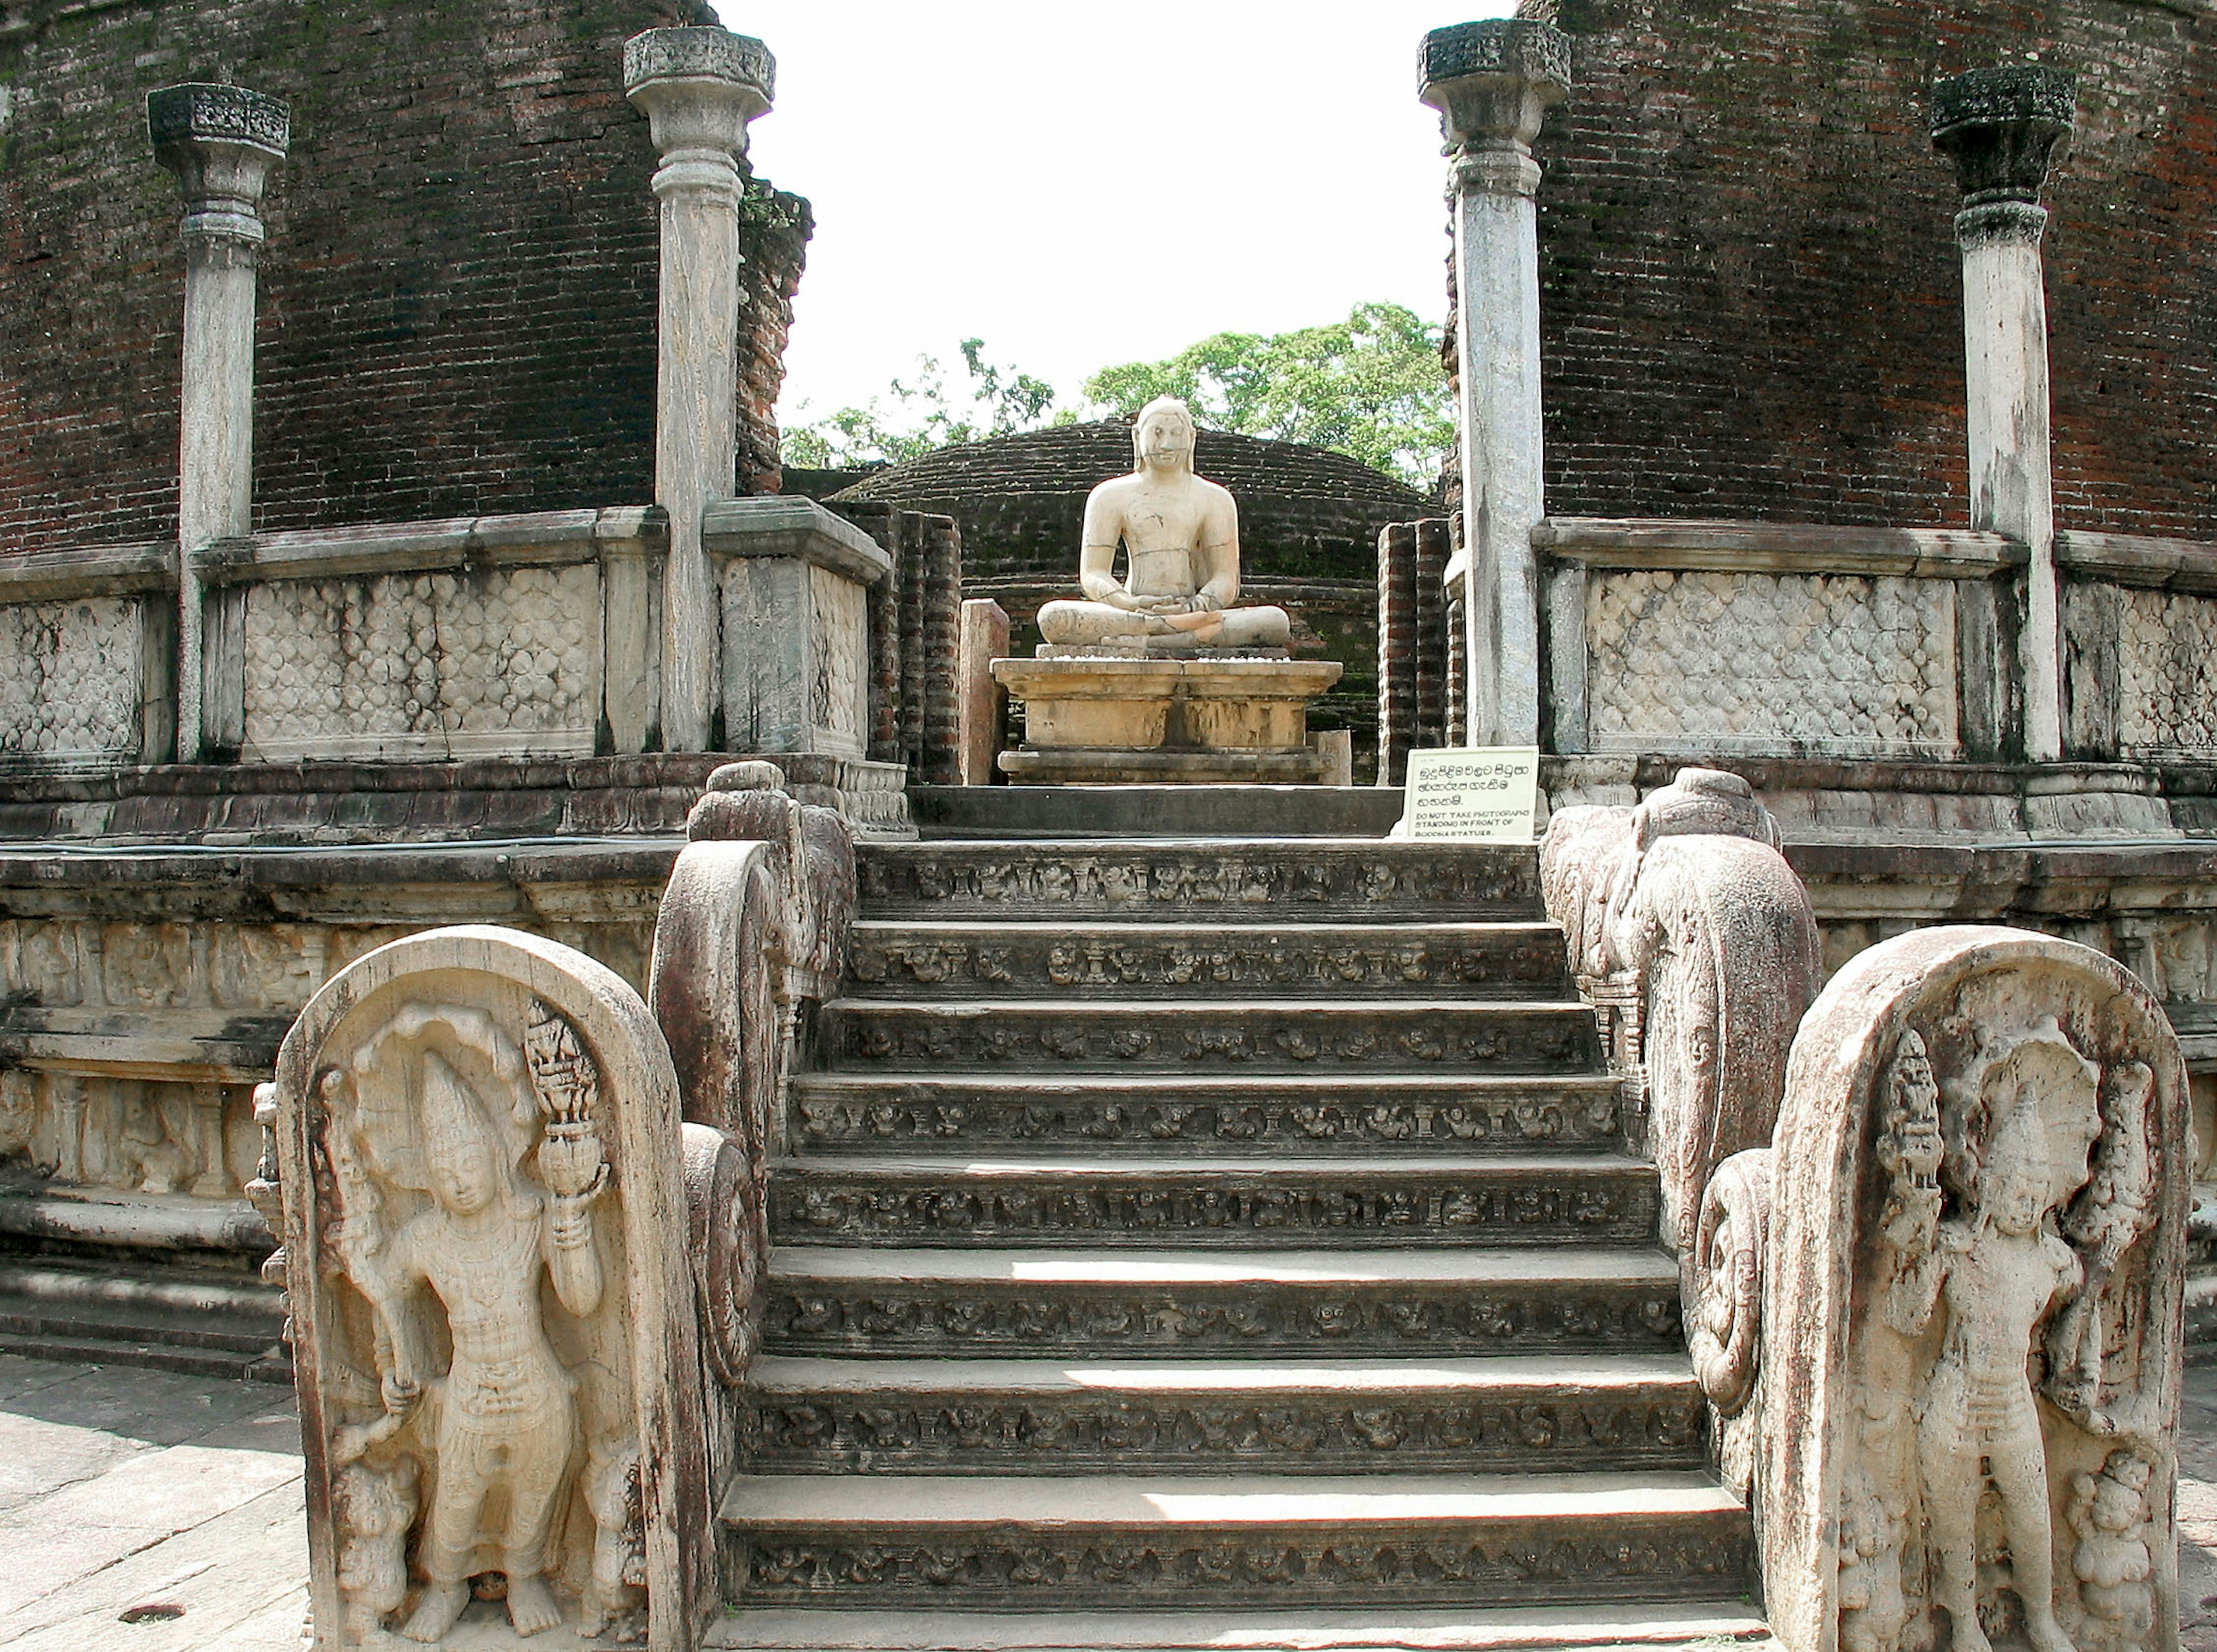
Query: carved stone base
{"x":1199,"y":720}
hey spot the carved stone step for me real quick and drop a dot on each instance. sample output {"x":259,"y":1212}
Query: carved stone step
{"x":1016,"y":1416}
{"x":1249,"y":880}
{"x":1709,"y":1624}
{"x":1285,"y":1035}
{"x":1009,"y":1544}
{"x":167,"y":1319}
{"x":1502,"y":1199}
{"x":973,"y":959}
{"x":1307,"y":1114}
{"x":1140,"y":1304}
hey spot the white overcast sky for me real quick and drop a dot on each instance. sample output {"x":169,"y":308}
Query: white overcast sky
{"x":1079,"y":185}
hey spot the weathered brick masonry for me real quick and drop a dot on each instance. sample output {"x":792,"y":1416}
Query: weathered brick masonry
{"x":1752,"y":293}
{"x":458,"y":298}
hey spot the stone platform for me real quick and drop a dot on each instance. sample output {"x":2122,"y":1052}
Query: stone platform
{"x":1192,"y":721}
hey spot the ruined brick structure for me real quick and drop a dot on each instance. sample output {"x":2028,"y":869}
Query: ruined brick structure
{"x":1751,"y":298}
{"x":458,"y":302}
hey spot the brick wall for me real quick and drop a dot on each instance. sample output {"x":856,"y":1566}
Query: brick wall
{"x":457,"y":296}
{"x":1751,"y":295}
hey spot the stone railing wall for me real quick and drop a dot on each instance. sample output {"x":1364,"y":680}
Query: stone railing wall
{"x":87,"y":654}
{"x":2140,"y":628}
{"x":1758,"y":639}
{"x":536,"y":635}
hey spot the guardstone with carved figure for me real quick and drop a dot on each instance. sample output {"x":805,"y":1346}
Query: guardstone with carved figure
{"x":484,"y":1257}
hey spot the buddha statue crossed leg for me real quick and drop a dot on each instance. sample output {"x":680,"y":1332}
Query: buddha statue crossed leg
{"x":1180,"y":534}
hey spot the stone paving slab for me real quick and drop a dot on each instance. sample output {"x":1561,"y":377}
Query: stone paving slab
{"x":122,"y":1488}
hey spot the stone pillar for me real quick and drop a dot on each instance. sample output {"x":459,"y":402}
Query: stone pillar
{"x":699,"y":87}
{"x":1491,"y":82}
{"x":2000,"y":126}
{"x":221,"y":142}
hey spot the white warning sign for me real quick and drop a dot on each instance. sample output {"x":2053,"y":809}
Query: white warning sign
{"x":1477,"y":794}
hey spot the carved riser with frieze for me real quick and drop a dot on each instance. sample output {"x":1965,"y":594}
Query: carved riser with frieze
{"x":1214,"y":1037}
{"x":1512,"y":1562}
{"x":854,"y":1417}
{"x":933,"y":961}
{"x":1292,"y":1114}
{"x":1300,"y":882}
{"x":1637,"y":1307}
{"x":1303,"y":1115}
{"x":1588,"y":1201}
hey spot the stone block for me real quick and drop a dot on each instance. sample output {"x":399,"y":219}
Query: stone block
{"x":486,"y":1250}
{"x":1197,"y":720}
{"x":982,"y":704}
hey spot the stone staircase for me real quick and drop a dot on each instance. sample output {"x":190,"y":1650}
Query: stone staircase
{"x":1216,"y":1241}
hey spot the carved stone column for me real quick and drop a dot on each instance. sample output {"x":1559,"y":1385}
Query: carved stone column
{"x":1492,"y":83}
{"x":221,"y":142}
{"x":699,"y":87}
{"x":2001,"y":126}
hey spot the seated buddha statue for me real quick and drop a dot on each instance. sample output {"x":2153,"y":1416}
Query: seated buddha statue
{"x":1181,"y":535}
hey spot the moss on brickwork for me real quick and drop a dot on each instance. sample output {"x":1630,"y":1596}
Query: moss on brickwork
{"x":1751,"y":294}
{"x":458,"y":297}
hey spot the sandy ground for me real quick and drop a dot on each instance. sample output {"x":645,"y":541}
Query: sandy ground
{"x":174,"y":1501}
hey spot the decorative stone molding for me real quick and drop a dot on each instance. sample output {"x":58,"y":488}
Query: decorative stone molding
{"x":1492,"y":83}
{"x":700,"y":88}
{"x":1698,"y":948}
{"x":1967,"y":1397}
{"x":493,"y":1330}
{"x":222,"y":141}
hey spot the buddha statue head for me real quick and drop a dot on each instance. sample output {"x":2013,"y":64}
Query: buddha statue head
{"x":1162,"y":436}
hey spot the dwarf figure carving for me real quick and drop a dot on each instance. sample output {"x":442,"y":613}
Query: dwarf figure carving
{"x":2109,"y":1512}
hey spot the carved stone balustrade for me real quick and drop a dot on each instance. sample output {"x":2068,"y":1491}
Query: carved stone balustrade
{"x":1696,"y":945}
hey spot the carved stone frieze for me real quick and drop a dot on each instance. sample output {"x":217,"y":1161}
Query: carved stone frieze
{"x":1526,"y":962}
{"x":69,"y":675}
{"x":492,"y":1326}
{"x":1967,"y":1403}
{"x":2166,"y":673}
{"x":1557,"y":1204}
{"x":887,"y":1316}
{"x":1418,"y":1566}
{"x":465,"y":664}
{"x":1382,"y":1433}
{"x":1771,"y":662}
{"x":1265,"y":1037}
{"x":1220,"y":881}
{"x":1049,"y":1115}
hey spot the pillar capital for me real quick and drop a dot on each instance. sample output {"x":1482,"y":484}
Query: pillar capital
{"x":1492,"y":83}
{"x":2000,"y":126}
{"x":221,"y":142}
{"x":699,"y":87}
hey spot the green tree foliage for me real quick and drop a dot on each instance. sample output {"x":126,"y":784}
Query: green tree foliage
{"x":1370,"y":386}
{"x":924,"y":415}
